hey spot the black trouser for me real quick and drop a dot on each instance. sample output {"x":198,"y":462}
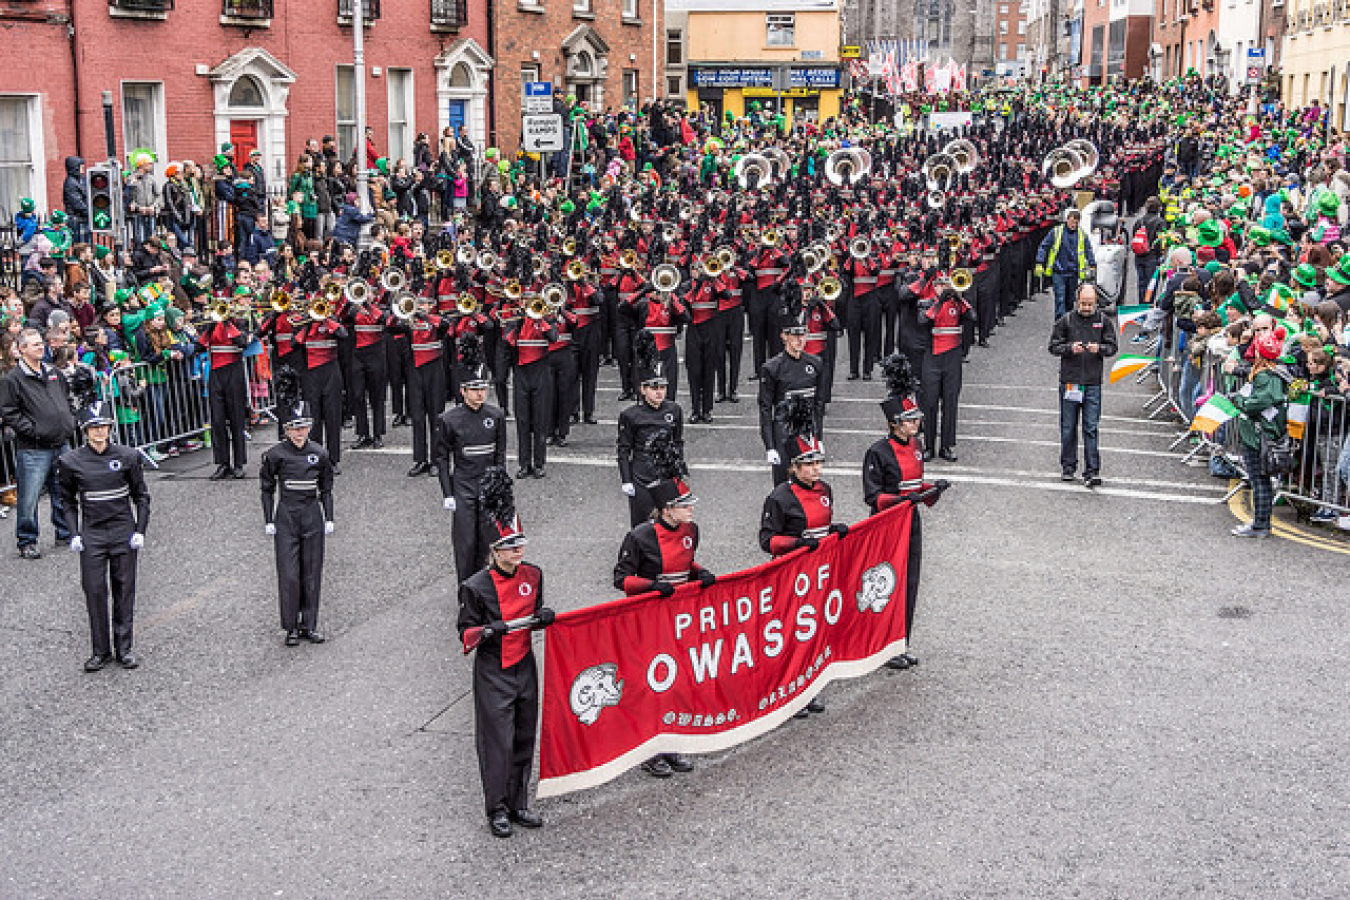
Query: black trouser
{"x":562,"y":366}
{"x":888,"y":300}
{"x":640,"y":505}
{"x":534,"y":412}
{"x":625,"y":327}
{"x":497,"y":352}
{"x":228,"y":398}
{"x":467,"y":533}
{"x":608,"y":301}
{"x":426,"y":401}
{"x":940,"y":384}
{"x":730,"y":327}
{"x":399,"y":363}
{"x":701,"y":358}
{"x":765,"y":341}
{"x":346,"y":348}
{"x":299,"y":549}
{"x":322,"y":388}
{"x":586,"y":342}
{"x":986,"y":300}
{"x":368,"y":387}
{"x":912,"y":566}
{"x":864,"y":332}
{"x":101,"y":564}
{"x":505,"y":706}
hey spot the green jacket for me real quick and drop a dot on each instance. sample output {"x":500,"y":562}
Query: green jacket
{"x":1267,"y":393}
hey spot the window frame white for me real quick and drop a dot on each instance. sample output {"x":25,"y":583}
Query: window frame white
{"x":159,"y":143}
{"x":37,"y":190}
{"x":400,"y":81}
{"x":779,"y":24}
{"x":340,"y":125}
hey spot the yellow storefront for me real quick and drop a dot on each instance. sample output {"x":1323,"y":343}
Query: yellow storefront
{"x":1316,"y":56}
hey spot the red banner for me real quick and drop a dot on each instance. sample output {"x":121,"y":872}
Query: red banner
{"x":711,"y":668}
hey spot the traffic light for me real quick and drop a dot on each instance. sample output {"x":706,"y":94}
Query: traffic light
{"x":102,"y":191}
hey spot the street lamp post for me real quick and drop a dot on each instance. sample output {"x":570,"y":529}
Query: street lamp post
{"x":359,"y":78}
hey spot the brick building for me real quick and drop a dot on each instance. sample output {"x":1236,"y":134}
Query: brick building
{"x":186,"y":75}
{"x":1010,"y":38}
{"x":604,"y":52}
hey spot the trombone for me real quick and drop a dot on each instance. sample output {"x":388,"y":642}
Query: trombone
{"x":466,"y":304}
{"x":512,"y":290}
{"x":220,"y":310}
{"x":280,"y":300}
{"x":404,"y":305}
{"x":536,"y":307}
{"x":358,"y":289}
{"x":320,"y":308}
{"x":860,"y":247}
{"x":712,"y":266}
{"x":576,"y":270}
{"x":446,"y":260}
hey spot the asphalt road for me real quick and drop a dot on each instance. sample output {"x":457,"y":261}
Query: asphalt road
{"x":1116,"y":698}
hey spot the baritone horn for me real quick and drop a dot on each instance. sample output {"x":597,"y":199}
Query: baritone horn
{"x":576,"y":270}
{"x":726,"y":256}
{"x":358,"y":289}
{"x":536,"y":307}
{"x":860,"y":248}
{"x":936,"y":199}
{"x":465,"y":255}
{"x":753,"y":170}
{"x":486,"y":260}
{"x":628,"y":259}
{"x":404,"y":306}
{"x":665,"y":278}
{"x":964,"y":154}
{"x":392,"y":280}
{"x":830,"y":289}
{"x":445,"y":260}
{"x":554,"y":296}
{"x":319,"y":308}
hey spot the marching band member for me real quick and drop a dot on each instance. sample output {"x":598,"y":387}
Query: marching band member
{"x":470,"y":438}
{"x":893,"y":472}
{"x":792,"y":373}
{"x":322,"y":377}
{"x":426,"y":379}
{"x":530,"y":336}
{"x":227,"y":392}
{"x":702,"y":350}
{"x":107,"y":508}
{"x":298,"y":521}
{"x":639,"y":427}
{"x":505,"y":679}
{"x":799,"y":512}
{"x":368,"y":321}
{"x":658,"y":554}
{"x":941,"y":374}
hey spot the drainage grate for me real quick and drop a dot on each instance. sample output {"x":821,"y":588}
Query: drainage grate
{"x":1234,"y":612}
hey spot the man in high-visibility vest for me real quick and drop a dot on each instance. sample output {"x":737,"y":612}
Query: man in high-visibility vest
{"x":1066,"y":256}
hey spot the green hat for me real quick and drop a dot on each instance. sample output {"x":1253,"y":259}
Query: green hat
{"x":121,"y":296}
{"x":567,"y":207}
{"x":173,"y":316}
{"x":1280,"y":296}
{"x":1340,"y":273}
{"x":27,"y":206}
{"x":1328,"y":204}
{"x":227,"y":147}
{"x":58,"y":217}
{"x":1213,"y":267}
{"x":220,"y":161}
{"x":1305,"y":276}
{"x":101,"y":252}
{"x":1209,"y":234}
{"x":243,"y":290}
{"x":382,"y":164}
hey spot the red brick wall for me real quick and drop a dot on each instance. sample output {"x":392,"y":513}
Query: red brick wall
{"x":519,"y":34}
{"x":305,"y":36}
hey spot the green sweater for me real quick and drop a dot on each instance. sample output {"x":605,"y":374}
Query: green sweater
{"x":1267,"y":393}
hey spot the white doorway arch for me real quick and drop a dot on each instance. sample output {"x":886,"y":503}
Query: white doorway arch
{"x":253,"y":86}
{"x":462,"y":72}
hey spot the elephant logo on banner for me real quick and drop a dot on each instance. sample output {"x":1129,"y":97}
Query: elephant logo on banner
{"x":593,"y":690}
{"x":878,"y":583}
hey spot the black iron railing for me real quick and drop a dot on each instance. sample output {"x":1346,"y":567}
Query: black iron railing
{"x":450,"y":13}
{"x":143,"y":5}
{"x":371,"y":8}
{"x":247,"y":9}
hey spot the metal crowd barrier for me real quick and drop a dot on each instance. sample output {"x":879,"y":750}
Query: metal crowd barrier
{"x":1322,"y":468}
{"x":159,"y":407}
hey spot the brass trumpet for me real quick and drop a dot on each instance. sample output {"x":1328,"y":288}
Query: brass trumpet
{"x":670,"y":234}
{"x":332,"y":292}
{"x":220,"y":310}
{"x":770,"y":238}
{"x":467,"y":304}
{"x":319,"y":308}
{"x":576,"y":270}
{"x":445,"y":260}
{"x":830,"y":289}
{"x":726,"y":256}
{"x":538,"y":267}
{"x":569,"y":247}
{"x":712,"y":266}
{"x":512,"y":290}
{"x":536,"y":307}
{"x":628,"y":259}
{"x":962,"y":280}
{"x":280,"y":300}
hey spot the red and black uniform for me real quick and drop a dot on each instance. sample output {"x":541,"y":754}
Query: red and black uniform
{"x":770,"y":268}
{"x":533,"y":392}
{"x":505,"y":682}
{"x":888,"y":271}
{"x":227,"y":392}
{"x":321,"y":382}
{"x":370,"y":359}
{"x":657,"y":552}
{"x":892,"y":471}
{"x":426,"y":381}
{"x":562,"y":365}
{"x":663,"y":319}
{"x":862,"y":314}
{"x":729,"y":329}
{"x":702,"y":346}
{"x":627,"y":291}
{"x":297,"y":498}
{"x":468,"y":442}
{"x":637,"y":425}
{"x":587,"y":343}
{"x":822,"y":340}
{"x":795,"y":515}
{"x":782,"y":377}
{"x":940,"y":375}
{"x":987,"y":285}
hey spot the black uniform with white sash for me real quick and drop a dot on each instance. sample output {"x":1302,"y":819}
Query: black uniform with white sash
{"x":297,"y":497}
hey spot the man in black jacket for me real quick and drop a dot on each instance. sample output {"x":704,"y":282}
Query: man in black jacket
{"x":75,"y":199}
{"x":35,"y":404}
{"x":1082,"y":339}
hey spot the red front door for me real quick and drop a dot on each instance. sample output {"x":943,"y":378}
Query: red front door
{"x":244,"y":136}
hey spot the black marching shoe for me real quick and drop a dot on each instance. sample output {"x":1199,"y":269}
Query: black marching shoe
{"x":853,"y":376}
{"x":551,"y":440}
{"x":97,"y":661}
{"x":733,"y":397}
{"x":238,"y":473}
{"x":911,"y":659}
{"x":982,"y":342}
{"x":538,"y":472}
{"x":30,"y":551}
{"x":1066,"y":475}
{"x":377,"y":444}
{"x":867,"y":376}
{"x":128,"y":660}
{"x":524,"y":472}
{"x":313,"y":635}
{"x":575,"y":419}
{"x":949,"y":455}
{"x":928,"y":456}
{"x":815,"y":706}
{"x":560,"y":441}
{"x":221,"y":473}
{"x":500,"y":825}
{"x":591,"y":420}
{"x":721,"y":398}
{"x":363,"y":443}
{"x":527,"y":818}
{"x":900,"y":663}
{"x":419,"y":468}
{"x":1092,"y":480}
{"x":292,"y":638}
{"x":657,"y":767}
{"x":678,"y":762}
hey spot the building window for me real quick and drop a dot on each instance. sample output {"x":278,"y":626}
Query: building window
{"x":581,"y":6}
{"x":674,"y":48}
{"x":346,"y":111}
{"x":18,"y":175}
{"x":1003,"y":27}
{"x":246,"y":9}
{"x":781,"y":31}
{"x":449,"y":13}
{"x":1003,"y":52}
{"x":143,"y":116}
{"x":528,"y":73}
{"x":630,"y":9}
{"x":673,"y":86}
{"x":400,"y":114}
{"x":630,"y":86}
{"x":369,"y":8}
{"x":1021,"y":27}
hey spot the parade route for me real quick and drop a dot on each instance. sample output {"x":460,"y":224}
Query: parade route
{"x":1115,"y":699}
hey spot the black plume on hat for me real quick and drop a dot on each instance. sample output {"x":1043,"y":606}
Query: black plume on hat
{"x":287,"y":386}
{"x":82,"y":387}
{"x":664,"y":454}
{"x":899,"y":374}
{"x":470,"y":350}
{"x":498,"y":495}
{"x":645,"y":354}
{"x":798,"y":416}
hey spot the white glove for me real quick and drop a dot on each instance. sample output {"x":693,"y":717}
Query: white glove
{"x":449,"y":504}
{"x":270,"y":530}
{"x":629,"y":489}
{"x":76,"y":544}
{"x":328,"y":527}
{"x":773,"y":457}
{"x":137,"y":541}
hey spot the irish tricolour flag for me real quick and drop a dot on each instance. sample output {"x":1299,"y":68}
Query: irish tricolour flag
{"x":1128,"y":364}
{"x":1298,"y":416}
{"x":1128,"y":314}
{"x":1217,"y":410}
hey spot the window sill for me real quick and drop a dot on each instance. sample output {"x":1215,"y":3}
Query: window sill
{"x":583,"y":14}
{"x":346,"y":21}
{"x":118,"y":12}
{"x":532,"y":8}
{"x":445,"y":27}
{"x":630,"y":20}
{"x":245,"y":22}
